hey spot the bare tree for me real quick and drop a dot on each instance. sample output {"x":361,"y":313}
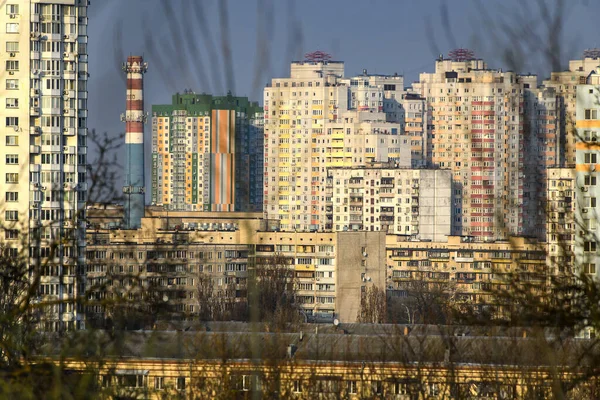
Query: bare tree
{"x":373,"y":306}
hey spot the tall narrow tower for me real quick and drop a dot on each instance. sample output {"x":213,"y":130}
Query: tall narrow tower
{"x":134,"y":118}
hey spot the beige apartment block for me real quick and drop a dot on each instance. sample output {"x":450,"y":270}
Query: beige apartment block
{"x":414,"y":203}
{"x":43,"y":148}
{"x":172,"y":250}
{"x":472,"y":272}
{"x":475,"y":122}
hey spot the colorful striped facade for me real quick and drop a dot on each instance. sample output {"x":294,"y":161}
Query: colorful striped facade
{"x":207,"y":154}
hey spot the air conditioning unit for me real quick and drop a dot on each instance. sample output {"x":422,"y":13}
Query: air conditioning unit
{"x":11,"y":72}
{"x":66,"y":92}
{"x":42,"y":18}
{"x":594,"y":139}
{"x":36,"y":91}
{"x":13,"y":16}
{"x":35,"y":72}
{"x":13,"y":54}
{"x":584,"y":189}
{"x":584,"y":211}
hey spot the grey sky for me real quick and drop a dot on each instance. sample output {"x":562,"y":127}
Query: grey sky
{"x":384,"y":36}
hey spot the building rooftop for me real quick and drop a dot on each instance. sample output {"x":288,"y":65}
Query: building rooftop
{"x":345,"y":343}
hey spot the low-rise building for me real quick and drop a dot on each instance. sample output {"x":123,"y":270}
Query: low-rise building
{"x":473,"y":273}
{"x":174,"y":251}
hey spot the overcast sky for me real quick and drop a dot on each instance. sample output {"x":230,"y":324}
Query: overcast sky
{"x":186,"y":47}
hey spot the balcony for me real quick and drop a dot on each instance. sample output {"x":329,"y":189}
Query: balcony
{"x":33,"y":149}
{"x":34,"y":111}
{"x":35,"y":130}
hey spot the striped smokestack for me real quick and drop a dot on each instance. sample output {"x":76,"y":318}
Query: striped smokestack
{"x":134,"y":118}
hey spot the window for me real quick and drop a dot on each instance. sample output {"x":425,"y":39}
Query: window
{"x":12,"y":9}
{"x":590,"y":158}
{"x":589,"y":268}
{"x":589,"y":246}
{"x":12,"y":27}
{"x":12,"y":47}
{"x":12,"y":65}
{"x":297,"y":386}
{"x":352,"y":387}
{"x":12,"y":121}
{"x":11,"y":234}
{"x":376,"y":387}
{"x":12,"y":177}
{"x":12,"y":159}
{"x":131,"y":380}
{"x":589,"y":180}
{"x":12,"y":103}
{"x":11,"y":196}
{"x":12,"y":84}
{"x":11,"y":215}
{"x":590,"y":202}
{"x":159,"y":382}
{"x":12,"y":140}
{"x":181,"y":383}
{"x":591,"y":113}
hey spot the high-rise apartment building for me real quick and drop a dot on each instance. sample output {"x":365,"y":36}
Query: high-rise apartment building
{"x":565,"y":84}
{"x":475,"y":121}
{"x":43,"y":145}
{"x":410,"y":202}
{"x":587,"y":124}
{"x":207,"y":153}
{"x":316,"y":120}
{"x":370,"y":93}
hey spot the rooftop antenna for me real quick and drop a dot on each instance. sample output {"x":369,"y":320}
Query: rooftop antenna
{"x":317,"y":56}
{"x":461,"y":54}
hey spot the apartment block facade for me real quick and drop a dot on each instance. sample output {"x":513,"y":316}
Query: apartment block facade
{"x":315,"y":120}
{"x":475,"y":122}
{"x":587,"y":125}
{"x":207,"y":153}
{"x":565,"y":84}
{"x":412,"y":202}
{"x":174,"y":250}
{"x":473,"y":271}
{"x":561,"y":226}
{"x":43,"y":148}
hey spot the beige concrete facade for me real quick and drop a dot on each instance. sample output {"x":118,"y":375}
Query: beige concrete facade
{"x":411,"y":202}
{"x":316,"y":119}
{"x":43,"y":152}
{"x":471,"y":271}
{"x":172,"y":249}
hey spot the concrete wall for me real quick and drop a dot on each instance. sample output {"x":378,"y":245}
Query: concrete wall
{"x":358,"y":253}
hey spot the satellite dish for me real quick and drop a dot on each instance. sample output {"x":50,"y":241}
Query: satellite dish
{"x":336,"y":322}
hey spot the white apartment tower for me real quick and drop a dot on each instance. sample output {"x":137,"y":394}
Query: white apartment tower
{"x":43,"y":146}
